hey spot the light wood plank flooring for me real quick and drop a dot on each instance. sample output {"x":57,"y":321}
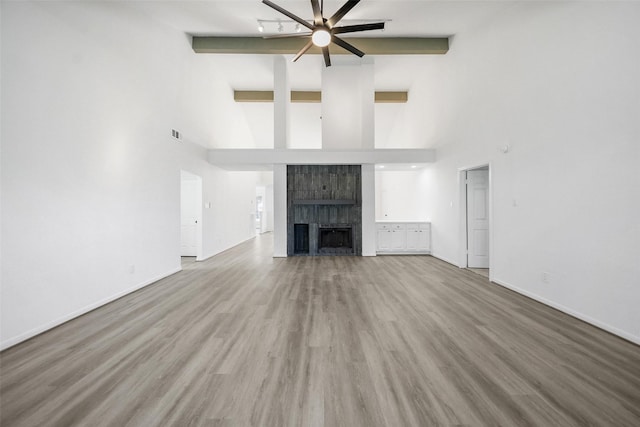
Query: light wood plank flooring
{"x":247,"y":340}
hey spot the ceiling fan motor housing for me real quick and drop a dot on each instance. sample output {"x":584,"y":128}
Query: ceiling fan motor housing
{"x":323,"y":31}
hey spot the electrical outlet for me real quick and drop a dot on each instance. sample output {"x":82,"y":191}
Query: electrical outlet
{"x":546,"y":277}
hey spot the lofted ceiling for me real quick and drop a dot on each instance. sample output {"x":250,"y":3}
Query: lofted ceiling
{"x":424,"y":18}
{"x":421,"y":18}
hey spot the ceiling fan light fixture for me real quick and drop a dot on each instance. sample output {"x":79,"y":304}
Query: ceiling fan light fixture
{"x":324,"y":31}
{"x":321,"y":37}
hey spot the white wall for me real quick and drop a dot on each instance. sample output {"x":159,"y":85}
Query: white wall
{"x":368,"y":210}
{"x":280,"y":211}
{"x":404,"y":195}
{"x":559,"y":83}
{"x":348,"y":104}
{"x":90,"y":174}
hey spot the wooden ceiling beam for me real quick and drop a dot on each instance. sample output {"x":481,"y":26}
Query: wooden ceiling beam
{"x":311,"y":96}
{"x":284,"y":46}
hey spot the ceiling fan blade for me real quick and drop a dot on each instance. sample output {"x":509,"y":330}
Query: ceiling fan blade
{"x":341,"y":12}
{"x":327,"y":59}
{"x":317,"y":14}
{"x":287,"y":36}
{"x":354,"y":28}
{"x":287,"y":13}
{"x":303,"y":50}
{"x":347,"y":46}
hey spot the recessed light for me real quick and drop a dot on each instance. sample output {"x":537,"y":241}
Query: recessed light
{"x":413,"y":166}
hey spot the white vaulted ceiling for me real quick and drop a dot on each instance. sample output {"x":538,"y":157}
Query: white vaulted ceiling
{"x":255,"y":72}
{"x":239,"y":18}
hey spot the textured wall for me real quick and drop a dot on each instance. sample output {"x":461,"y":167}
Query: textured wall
{"x":322,"y":195}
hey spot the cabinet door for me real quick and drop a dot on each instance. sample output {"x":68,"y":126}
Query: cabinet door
{"x":398,"y":237}
{"x":424,"y":238}
{"x":384,"y":239}
{"x":413,"y":237}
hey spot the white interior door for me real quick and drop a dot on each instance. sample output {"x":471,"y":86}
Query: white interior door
{"x":189,"y":216}
{"x":478,"y":218}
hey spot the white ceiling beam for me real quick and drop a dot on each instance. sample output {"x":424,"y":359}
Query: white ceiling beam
{"x":264,"y":159}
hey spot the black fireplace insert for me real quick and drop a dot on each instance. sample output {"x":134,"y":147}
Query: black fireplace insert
{"x":338,"y":239}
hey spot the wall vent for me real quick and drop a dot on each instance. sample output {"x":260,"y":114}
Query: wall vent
{"x":176,"y":134}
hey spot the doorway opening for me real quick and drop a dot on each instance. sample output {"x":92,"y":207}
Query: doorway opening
{"x":264,"y":209}
{"x":475,"y":219}
{"x":190,"y":217}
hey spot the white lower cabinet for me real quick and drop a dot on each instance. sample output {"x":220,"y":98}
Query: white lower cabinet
{"x":383,"y":240}
{"x":398,"y":237}
{"x":404,"y":238}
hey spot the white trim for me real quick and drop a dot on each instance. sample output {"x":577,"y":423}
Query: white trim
{"x":261,"y":158}
{"x":622,"y":334}
{"x":204,"y":258}
{"x":441,"y":258}
{"x":50,"y":325}
{"x":391,"y":252}
{"x":368,"y":210}
{"x":608,"y":328}
{"x":280,"y":211}
{"x":462,"y":219}
{"x":186,"y":175}
{"x":462,"y":216}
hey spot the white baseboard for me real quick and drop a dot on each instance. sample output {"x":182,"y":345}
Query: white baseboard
{"x":441,"y":258}
{"x":57,"y":322}
{"x":598,"y":324}
{"x":402,"y":253}
{"x":212,"y":254}
{"x":206,"y":257}
{"x":622,"y":334}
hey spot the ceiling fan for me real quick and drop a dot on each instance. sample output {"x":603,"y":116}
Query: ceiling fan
{"x":323,"y":30}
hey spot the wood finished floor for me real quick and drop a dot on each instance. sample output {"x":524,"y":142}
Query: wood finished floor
{"x":247,"y":340}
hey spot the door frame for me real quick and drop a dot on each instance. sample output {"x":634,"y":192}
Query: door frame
{"x":186,"y":175}
{"x":462,"y":215}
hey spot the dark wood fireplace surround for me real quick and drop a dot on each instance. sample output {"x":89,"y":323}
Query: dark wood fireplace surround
{"x":324,"y":210}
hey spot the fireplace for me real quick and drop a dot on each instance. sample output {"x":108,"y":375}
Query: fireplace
{"x":301,"y":239}
{"x":335,"y":239}
{"x":324,"y":210}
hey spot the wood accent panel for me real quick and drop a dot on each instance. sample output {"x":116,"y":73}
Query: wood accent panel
{"x":306,"y":96}
{"x":312,"y":96}
{"x":284,"y":46}
{"x":321,"y":195}
{"x":244,"y":339}
{"x":253,"y":95}
{"x":391,"y":97}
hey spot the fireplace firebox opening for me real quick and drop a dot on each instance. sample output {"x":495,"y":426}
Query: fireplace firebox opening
{"x":338,"y":239}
